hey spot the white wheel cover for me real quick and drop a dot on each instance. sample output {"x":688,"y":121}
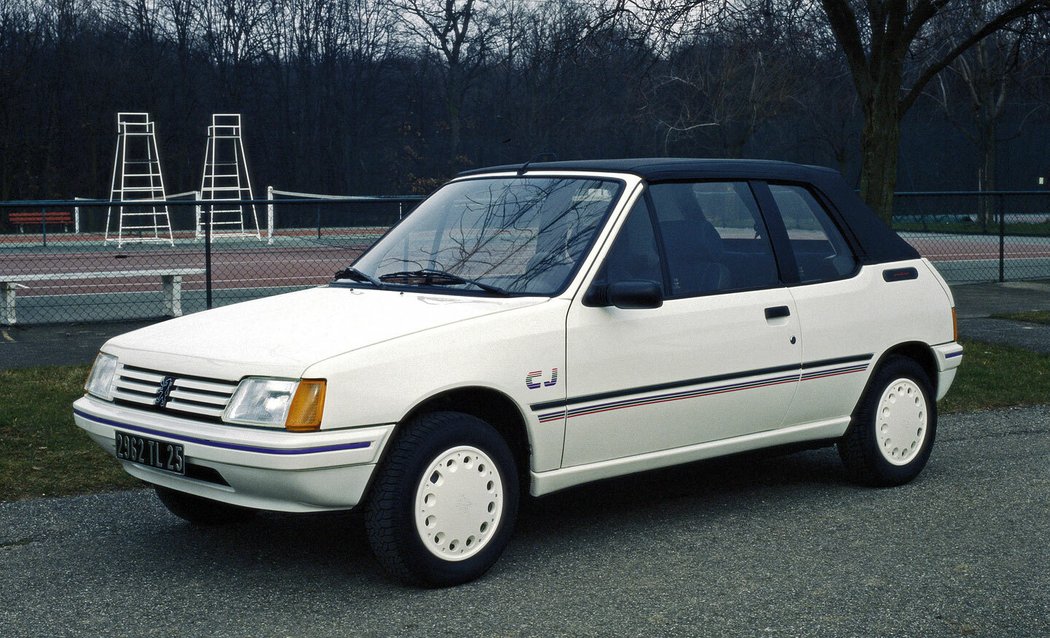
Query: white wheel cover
{"x":901,"y":421}
{"x":459,"y":503}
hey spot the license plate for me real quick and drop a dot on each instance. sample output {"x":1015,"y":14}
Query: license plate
{"x":151,"y":453}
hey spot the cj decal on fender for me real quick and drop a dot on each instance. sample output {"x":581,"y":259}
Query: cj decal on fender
{"x":534,"y":380}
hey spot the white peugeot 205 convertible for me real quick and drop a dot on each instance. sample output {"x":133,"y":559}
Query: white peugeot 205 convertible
{"x":530,"y":328}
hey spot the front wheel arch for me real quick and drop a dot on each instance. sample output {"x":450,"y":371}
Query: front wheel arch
{"x":491,"y":406}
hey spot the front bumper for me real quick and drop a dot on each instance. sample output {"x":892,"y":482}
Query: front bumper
{"x":262,"y":469}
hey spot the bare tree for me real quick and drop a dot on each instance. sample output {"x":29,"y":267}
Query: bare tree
{"x":723,"y":91}
{"x":986,"y":76}
{"x":459,"y":31}
{"x":232,"y":37}
{"x":878,"y":38}
{"x":21,"y":42}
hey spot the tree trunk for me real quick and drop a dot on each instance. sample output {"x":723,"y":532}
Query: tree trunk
{"x":880,"y":144}
{"x":454,"y":107}
{"x":987,"y":146}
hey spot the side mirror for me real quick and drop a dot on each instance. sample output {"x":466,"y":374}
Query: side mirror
{"x":627,"y":295}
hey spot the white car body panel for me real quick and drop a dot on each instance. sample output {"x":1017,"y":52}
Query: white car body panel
{"x":659,"y":379}
{"x":283,"y":335}
{"x":389,"y":379}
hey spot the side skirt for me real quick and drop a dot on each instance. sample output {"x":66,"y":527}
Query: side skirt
{"x":554,"y":480}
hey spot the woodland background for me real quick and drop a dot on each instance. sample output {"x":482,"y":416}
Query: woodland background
{"x":372,"y":97}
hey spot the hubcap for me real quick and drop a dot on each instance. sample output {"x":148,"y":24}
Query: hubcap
{"x":900,"y":424}
{"x":459,"y":503}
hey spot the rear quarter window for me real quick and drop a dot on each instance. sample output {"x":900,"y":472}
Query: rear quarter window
{"x":820,"y":250}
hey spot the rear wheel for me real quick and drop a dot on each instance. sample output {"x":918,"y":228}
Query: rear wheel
{"x":445,"y":500}
{"x":891,"y":435}
{"x":201,"y":511}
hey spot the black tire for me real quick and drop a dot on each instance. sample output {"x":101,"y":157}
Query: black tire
{"x":437,"y":459}
{"x":201,"y":511}
{"x":891,"y":435}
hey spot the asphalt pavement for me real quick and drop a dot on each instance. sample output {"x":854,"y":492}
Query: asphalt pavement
{"x":748,"y":546}
{"x":976,"y":303}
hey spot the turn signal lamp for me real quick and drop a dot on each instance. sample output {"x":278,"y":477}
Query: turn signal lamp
{"x":304,"y":414}
{"x":955,"y":325}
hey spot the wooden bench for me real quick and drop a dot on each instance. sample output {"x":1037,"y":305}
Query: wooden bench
{"x":40,"y":218}
{"x":170,"y":278}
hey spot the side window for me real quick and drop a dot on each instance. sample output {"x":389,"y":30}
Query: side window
{"x":634,"y":255}
{"x":821,"y":251}
{"x":714,"y":238}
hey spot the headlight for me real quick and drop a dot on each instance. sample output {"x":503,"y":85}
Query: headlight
{"x":100,"y":381}
{"x":295,"y":405}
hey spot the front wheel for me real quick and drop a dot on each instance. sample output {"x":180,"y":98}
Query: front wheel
{"x":891,"y":435}
{"x":445,"y":500}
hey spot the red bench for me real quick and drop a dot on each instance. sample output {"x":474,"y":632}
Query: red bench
{"x":40,"y":218}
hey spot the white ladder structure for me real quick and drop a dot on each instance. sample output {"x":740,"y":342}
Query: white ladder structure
{"x":226,"y":180}
{"x":137,"y":177}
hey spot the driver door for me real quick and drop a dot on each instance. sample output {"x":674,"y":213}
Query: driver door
{"x":718,"y":359}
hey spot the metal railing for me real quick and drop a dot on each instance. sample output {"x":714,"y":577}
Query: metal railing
{"x":76,"y":272}
{"x":68,"y":271}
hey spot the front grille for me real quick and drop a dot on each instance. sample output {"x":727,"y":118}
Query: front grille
{"x":145,"y":389}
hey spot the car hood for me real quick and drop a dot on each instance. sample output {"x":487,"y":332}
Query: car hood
{"x":284,"y":334}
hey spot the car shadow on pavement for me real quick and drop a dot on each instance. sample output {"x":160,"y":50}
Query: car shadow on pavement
{"x":333,"y":547}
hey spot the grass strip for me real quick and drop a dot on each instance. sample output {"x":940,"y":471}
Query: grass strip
{"x":998,"y":376}
{"x":42,"y":453}
{"x":1031,"y":316}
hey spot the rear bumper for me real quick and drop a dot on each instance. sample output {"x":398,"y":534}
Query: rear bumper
{"x":262,"y":469}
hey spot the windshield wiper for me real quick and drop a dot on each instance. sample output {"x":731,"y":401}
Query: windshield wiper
{"x":430,"y":277}
{"x":353,"y":273}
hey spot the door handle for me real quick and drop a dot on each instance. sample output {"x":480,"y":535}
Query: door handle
{"x":776,"y":312}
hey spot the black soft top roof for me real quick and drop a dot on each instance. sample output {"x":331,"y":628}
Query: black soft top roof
{"x":875,"y":241}
{"x":658,"y":169}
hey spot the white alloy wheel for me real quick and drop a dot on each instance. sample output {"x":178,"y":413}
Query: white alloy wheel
{"x":458,"y":503}
{"x":901,"y":421}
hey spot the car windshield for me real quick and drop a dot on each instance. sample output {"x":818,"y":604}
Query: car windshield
{"x":514,"y":235}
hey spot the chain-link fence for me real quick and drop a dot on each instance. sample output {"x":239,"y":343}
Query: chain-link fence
{"x":979,"y":236}
{"x":87,"y":260}
{"x":90,"y":260}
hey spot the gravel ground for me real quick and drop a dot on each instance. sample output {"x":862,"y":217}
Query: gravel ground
{"x":755,"y":545}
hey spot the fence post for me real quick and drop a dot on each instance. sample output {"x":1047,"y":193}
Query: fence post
{"x":197,"y":215}
{"x":269,"y":215}
{"x":207,"y":257}
{"x":317,"y":211}
{"x":43,"y":224}
{"x":1002,"y":237}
